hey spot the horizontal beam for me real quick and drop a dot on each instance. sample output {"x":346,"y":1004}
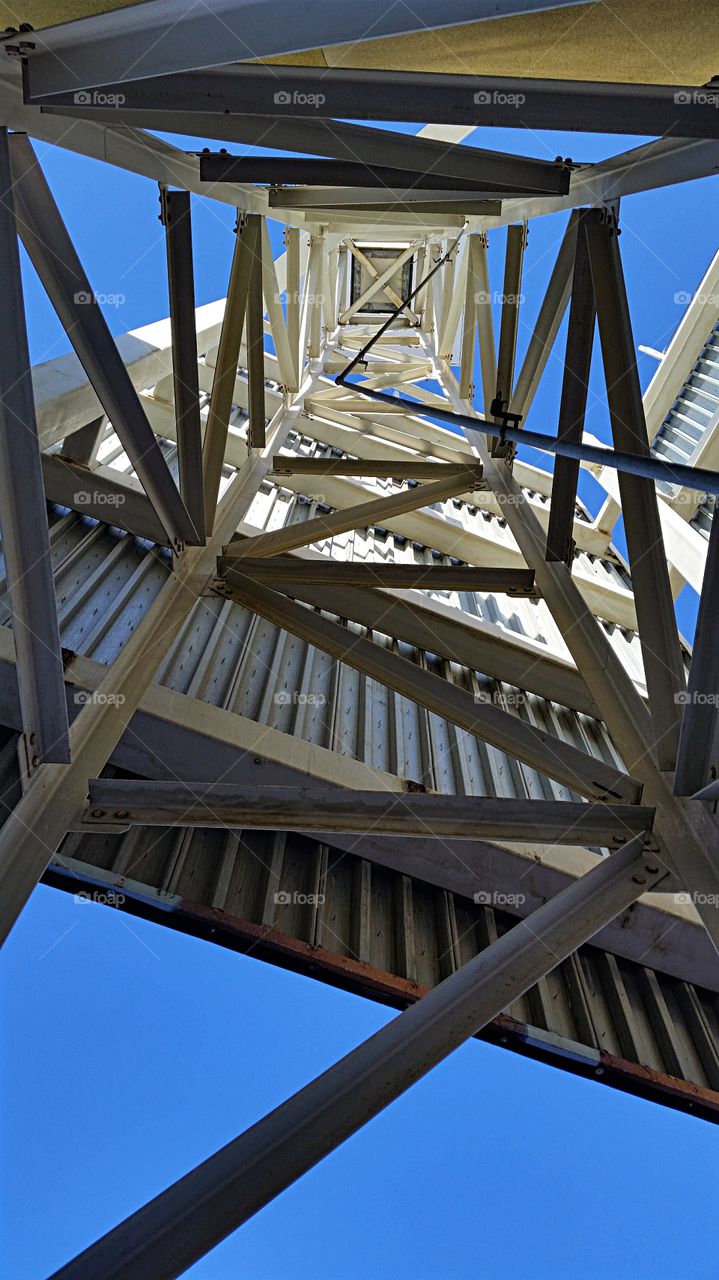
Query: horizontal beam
{"x":542,"y":751}
{"x":188,"y":1219}
{"x":101,"y":494}
{"x":652,"y":110}
{"x":188,"y":804}
{"x":408,"y":468}
{"x":286,"y":570}
{"x":359,"y":154}
{"x":415,"y":196}
{"x":166,"y":36}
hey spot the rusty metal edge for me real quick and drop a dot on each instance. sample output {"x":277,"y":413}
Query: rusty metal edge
{"x":262,"y":943}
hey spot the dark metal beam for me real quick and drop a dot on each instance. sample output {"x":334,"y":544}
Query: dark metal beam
{"x":53,"y":256}
{"x":368,"y":94}
{"x":661,"y":651}
{"x":181,"y":281}
{"x":166,"y":1236}
{"x":169,"y":36}
{"x":288,"y":570}
{"x":697,"y":756}
{"x":575,"y":388}
{"x":657,"y":110}
{"x":23,"y":519}
{"x":416,"y":196}
{"x":316,"y":808}
{"x":509,"y":326}
{"x":396,"y":160}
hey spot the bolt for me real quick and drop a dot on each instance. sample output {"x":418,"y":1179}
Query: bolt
{"x":651,"y":869}
{"x":97,"y":813}
{"x":639,"y":879}
{"x":122,"y":813}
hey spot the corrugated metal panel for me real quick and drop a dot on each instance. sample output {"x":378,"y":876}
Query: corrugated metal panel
{"x":695,"y":412}
{"x":376,"y":930}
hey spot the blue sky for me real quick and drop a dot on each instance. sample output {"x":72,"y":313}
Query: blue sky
{"x":131,"y":1053}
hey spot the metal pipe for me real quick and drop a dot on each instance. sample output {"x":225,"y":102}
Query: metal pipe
{"x":656,"y":468}
{"x":184,"y":1222}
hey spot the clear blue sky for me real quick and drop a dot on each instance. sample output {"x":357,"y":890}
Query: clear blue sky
{"x":131,"y":1053}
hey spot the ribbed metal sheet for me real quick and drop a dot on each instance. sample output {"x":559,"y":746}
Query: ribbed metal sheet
{"x":695,"y":412}
{"x":376,"y":931}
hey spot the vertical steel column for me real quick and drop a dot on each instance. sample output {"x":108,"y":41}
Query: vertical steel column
{"x":23,"y":518}
{"x":184,"y":1222}
{"x":516,"y":241}
{"x":228,"y":355}
{"x":292,"y":295}
{"x":485,"y":323}
{"x":175,"y":206}
{"x":256,"y":348}
{"x":469,"y":328}
{"x":698,"y":739}
{"x":658,"y":633}
{"x":573,"y":404}
{"x":551,"y":314}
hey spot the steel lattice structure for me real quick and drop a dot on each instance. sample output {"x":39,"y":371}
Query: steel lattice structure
{"x":339,"y":657}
